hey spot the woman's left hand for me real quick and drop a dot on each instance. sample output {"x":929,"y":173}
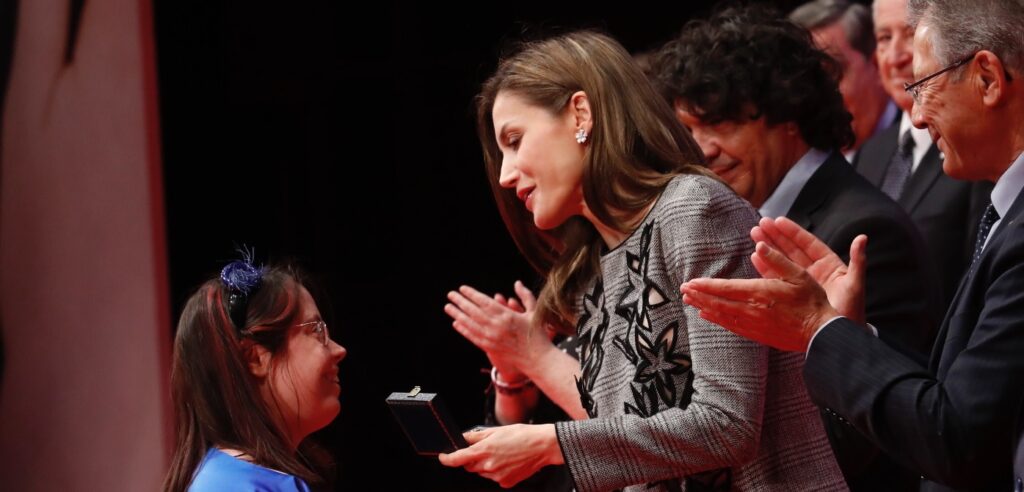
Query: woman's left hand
{"x":507,"y":454}
{"x":502,"y":327}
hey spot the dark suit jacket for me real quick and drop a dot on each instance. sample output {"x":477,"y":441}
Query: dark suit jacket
{"x":902,"y":301}
{"x":951,"y":420}
{"x":836,"y":205}
{"x":946,"y":211}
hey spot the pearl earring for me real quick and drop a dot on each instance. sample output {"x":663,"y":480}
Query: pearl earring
{"x":581,"y":136}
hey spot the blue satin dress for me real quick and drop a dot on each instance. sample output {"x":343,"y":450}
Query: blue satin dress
{"x":220,"y":472}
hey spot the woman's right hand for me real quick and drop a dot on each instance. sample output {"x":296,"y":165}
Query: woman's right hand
{"x":503,"y":328}
{"x":507,"y":454}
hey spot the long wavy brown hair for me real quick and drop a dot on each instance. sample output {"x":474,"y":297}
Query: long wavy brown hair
{"x":216,"y":399}
{"x":635,"y":148}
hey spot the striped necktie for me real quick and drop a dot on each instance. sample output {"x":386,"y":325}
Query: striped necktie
{"x":898,"y":172}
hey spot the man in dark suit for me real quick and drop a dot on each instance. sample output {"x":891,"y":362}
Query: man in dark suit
{"x":951,"y":420}
{"x":844,"y":30}
{"x":766,"y":111}
{"x":903,"y":162}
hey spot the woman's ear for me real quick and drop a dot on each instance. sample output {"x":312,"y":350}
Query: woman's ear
{"x":258,"y":359}
{"x":579,"y":109}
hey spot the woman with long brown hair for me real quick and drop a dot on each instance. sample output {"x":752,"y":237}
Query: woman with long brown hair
{"x":604,"y":192}
{"x":254,"y":372}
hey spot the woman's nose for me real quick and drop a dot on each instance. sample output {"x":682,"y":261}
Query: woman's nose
{"x":508,"y":175}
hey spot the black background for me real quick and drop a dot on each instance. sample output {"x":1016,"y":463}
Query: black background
{"x":342,"y":136}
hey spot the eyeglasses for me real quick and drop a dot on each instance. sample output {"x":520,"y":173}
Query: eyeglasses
{"x":915,"y":89}
{"x":319,"y":329}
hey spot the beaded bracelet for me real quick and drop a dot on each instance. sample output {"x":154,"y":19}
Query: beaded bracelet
{"x":507,"y":388}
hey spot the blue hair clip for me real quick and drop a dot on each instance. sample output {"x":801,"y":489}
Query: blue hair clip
{"x":242,"y":279}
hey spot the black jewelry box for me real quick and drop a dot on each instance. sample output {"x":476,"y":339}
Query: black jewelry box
{"x":426,"y":422}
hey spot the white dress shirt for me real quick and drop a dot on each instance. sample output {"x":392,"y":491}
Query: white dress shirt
{"x":1006,"y":191}
{"x":922,"y":140}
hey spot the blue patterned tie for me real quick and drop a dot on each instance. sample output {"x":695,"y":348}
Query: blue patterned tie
{"x":990,"y":217}
{"x":899,"y":167}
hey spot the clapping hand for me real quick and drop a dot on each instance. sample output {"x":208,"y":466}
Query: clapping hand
{"x":504,"y":328}
{"x":804,"y":285}
{"x":843,"y":285}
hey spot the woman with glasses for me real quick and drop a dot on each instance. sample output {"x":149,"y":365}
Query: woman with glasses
{"x":254,"y":372}
{"x":604,"y":192}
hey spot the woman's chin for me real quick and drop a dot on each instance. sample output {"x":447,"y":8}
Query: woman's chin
{"x":329,"y":414}
{"x":546,"y":222}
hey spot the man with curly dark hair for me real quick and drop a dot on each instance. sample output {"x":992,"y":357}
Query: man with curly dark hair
{"x":763,"y":104}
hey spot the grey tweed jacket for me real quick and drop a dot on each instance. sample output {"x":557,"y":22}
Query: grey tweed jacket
{"x":676,"y":402}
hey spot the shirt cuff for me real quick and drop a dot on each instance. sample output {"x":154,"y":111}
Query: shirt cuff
{"x":871,"y":327}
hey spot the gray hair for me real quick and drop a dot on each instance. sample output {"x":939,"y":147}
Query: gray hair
{"x":966,"y":27}
{"x":853,"y":17}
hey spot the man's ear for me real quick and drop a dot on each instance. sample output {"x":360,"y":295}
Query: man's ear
{"x":257,"y":358}
{"x":991,"y":77}
{"x":579,"y":109}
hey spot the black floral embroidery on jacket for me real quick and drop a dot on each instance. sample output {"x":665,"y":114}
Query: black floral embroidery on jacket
{"x":591,"y":343}
{"x":661,"y":368}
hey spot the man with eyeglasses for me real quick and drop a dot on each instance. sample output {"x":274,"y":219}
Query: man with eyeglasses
{"x":952,"y":420}
{"x":904,"y":163}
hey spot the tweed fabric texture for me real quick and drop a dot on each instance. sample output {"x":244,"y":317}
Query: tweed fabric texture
{"x":678,"y":403}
